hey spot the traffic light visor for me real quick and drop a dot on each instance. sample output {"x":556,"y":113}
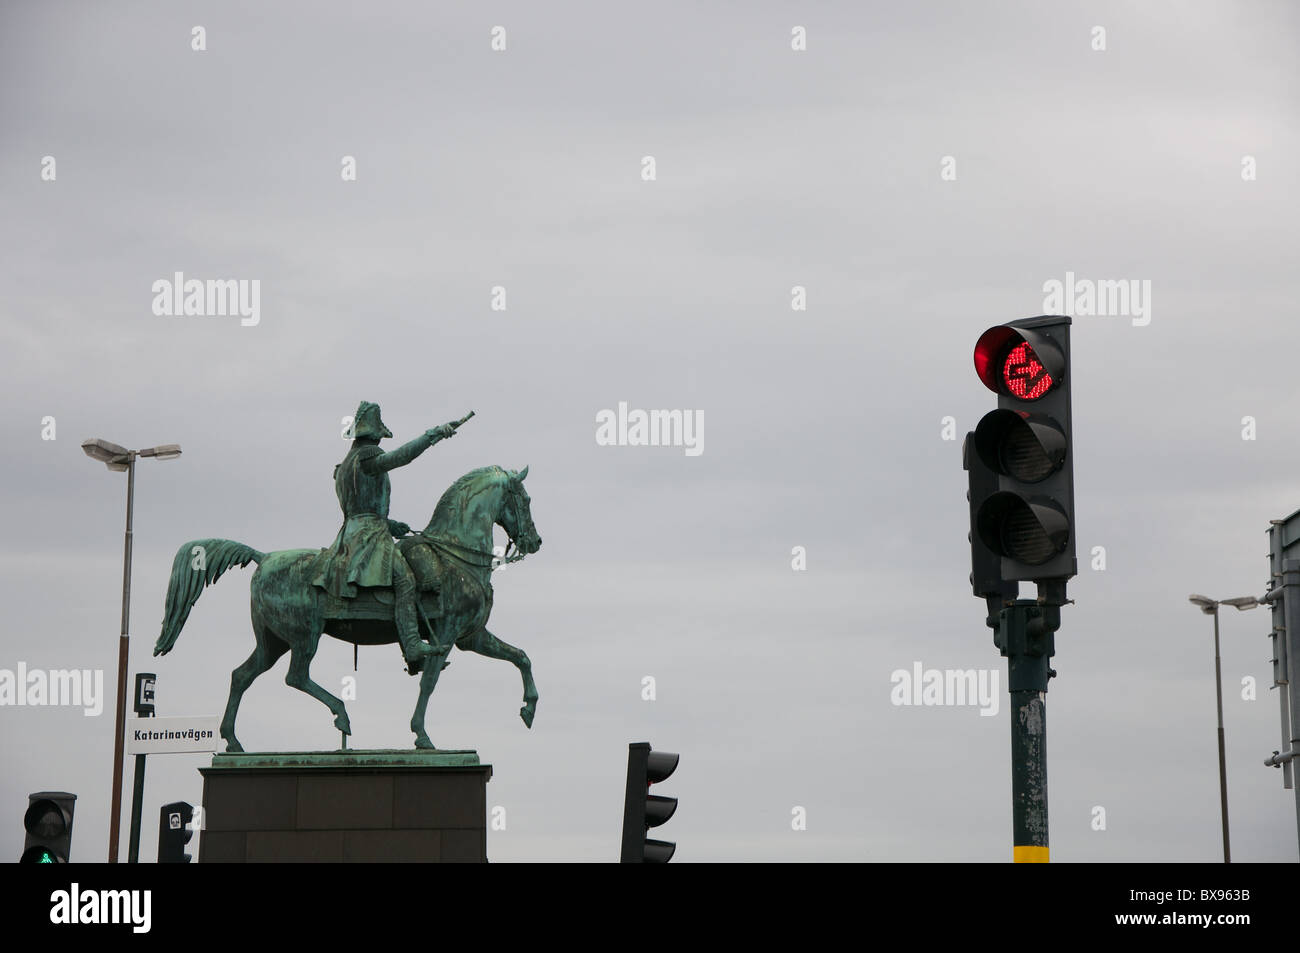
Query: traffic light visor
{"x":1018,"y":362}
{"x":1028,"y":532}
{"x":45,"y":820}
{"x":1025,"y":447}
{"x":660,"y":764}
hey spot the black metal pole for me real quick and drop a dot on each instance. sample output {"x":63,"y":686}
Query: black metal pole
{"x":1029,"y":776}
{"x":137,"y":803}
{"x":1025,"y":635}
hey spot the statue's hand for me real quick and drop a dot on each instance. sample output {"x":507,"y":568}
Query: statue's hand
{"x":442,"y":433}
{"x":398,"y":529}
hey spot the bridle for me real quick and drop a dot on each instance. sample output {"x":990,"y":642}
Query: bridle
{"x":490,"y":559}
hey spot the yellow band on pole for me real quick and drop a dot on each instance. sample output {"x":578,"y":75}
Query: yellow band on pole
{"x":1030,"y":855}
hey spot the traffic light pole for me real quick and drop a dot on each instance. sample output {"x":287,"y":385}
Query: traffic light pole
{"x":1025,"y":634}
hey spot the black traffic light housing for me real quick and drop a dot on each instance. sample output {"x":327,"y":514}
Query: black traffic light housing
{"x":174,"y":832}
{"x":1020,"y":460}
{"x":48,"y":822}
{"x":642,"y":810}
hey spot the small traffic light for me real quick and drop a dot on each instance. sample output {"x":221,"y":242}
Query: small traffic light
{"x":642,"y":810}
{"x":48,"y":823}
{"x":174,"y":832}
{"x":1020,"y":461}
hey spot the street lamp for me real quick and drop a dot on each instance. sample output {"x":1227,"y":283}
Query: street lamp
{"x":1211,"y":607}
{"x":119,"y":459}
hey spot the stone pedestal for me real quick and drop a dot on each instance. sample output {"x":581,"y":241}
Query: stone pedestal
{"x":345,"y":806}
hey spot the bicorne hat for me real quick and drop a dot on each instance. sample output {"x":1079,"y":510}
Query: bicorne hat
{"x":367,"y":423}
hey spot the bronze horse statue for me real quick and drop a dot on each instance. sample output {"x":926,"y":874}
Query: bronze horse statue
{"x":452,"y":558}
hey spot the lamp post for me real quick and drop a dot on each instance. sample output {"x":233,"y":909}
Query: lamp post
{"x":119,"y":459}
{"x":1211,"y":607}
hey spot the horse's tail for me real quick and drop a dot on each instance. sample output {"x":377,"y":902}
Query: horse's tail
{"x":198,"y":563}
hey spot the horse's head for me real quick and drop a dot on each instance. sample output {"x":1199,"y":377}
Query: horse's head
{"x":481,"y":498}
{"x":515,"y":514}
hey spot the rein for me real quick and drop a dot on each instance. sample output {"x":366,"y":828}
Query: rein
{"x":449,"y":545}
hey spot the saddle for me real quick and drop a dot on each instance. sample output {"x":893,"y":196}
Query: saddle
{"x":377,"y":603}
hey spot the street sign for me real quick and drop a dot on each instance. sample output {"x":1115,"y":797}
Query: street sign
{"x":172,"y":735}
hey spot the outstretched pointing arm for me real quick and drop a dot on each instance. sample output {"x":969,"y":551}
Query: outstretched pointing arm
{"x":382,"y":462}
{"x":400,"y":457}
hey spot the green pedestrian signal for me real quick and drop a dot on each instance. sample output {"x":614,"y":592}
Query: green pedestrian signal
{"x":48,"y":823}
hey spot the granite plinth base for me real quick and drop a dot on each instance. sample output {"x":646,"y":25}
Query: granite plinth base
{"x":352,"y":805}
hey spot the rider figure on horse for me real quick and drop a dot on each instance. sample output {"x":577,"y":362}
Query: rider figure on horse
{"x":364,"y":553}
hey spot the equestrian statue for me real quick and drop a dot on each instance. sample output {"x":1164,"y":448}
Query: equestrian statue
{"x":427,"y":591}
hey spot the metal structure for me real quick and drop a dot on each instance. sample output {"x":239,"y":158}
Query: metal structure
{"x":1284,"y":597}
{"x":119,"y":459}
{"x":1021,"y":492}
{"x":48,"y":825}
{"x":1211,"y":607}
{"x":174,"y":832}
{"x":642,"y":810}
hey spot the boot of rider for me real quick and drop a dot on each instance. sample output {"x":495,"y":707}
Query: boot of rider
{"x":414,"y":649}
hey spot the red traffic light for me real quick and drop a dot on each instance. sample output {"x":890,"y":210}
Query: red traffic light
{"x":1018,"y":362}
{"x":1023,"y":373}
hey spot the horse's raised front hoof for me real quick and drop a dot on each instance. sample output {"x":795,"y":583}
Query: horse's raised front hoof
{"x":526,"y":713}
{"x":342,"y":723}
{"x":422,"y":741}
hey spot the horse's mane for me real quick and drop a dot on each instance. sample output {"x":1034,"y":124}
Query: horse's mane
{"x":458,"y":494}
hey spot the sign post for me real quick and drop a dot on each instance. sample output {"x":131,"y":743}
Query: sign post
{"x":149,"y":735}
{"x":144,"y":688}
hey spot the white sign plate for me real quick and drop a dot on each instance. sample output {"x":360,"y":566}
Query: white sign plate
{"x":172,"y":735}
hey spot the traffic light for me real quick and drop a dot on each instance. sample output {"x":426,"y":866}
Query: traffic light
{"x":643,"y":810}
{"x":1021,"y":463}
{"x":174,"y":832}
{"x":48,"y":822}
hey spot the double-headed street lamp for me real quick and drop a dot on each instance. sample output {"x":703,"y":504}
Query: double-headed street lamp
{"x":1211,"y":607}
{"x":119,"y":459}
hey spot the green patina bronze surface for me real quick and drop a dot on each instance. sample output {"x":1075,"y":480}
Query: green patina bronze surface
{"x":349,"y":758}
{"x":429,"y":592}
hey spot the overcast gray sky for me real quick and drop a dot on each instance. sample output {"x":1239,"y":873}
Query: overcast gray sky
{"x":523,"y":168}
